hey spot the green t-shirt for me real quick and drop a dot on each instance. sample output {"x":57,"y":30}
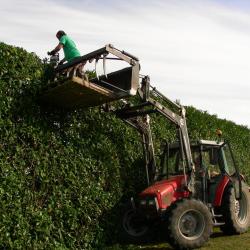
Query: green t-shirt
{"x":69,"y":48}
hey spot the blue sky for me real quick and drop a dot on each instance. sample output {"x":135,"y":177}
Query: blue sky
{"x":195,"y":51}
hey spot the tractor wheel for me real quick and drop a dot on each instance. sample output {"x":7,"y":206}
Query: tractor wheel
{"x":236,"y":213}
{"x":134,"y":227}
{"x":189,"y":224}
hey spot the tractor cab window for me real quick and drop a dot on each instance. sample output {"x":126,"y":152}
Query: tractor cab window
{"x":175,"y":161}
{"x":210,"y":160}
{"x":172,"y":162}
{"x":197,"y":159}
{"x":228,"y":161}
{"x":206,"y":159}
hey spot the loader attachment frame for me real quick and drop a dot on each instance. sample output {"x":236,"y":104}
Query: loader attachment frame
{"x":130,"y":74}
{"x":70,"y":83}
{"x":138,"y":117}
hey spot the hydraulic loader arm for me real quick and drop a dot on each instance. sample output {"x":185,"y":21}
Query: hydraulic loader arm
{"x":179,"y":119}
{"x":138,"y":117}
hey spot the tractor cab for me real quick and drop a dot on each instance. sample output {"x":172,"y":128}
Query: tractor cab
{"x":213,"y":157}
{"x":214,"y":169}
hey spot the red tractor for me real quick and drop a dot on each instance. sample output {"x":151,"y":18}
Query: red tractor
{"x":196,"y":187}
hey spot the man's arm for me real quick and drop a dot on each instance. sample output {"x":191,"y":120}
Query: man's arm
{"x":56,"y":49}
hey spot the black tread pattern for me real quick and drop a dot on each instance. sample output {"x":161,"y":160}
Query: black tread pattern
{"x":126,"y":238}
{"x":227,"y":209}
{"x":177,"y":209}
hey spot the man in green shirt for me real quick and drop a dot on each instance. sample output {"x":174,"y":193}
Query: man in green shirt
{"x":68,"y":45}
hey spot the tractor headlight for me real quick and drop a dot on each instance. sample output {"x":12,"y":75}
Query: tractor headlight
{"x":150,"y":202}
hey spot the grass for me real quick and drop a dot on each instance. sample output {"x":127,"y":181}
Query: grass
{"x":218,"y":241}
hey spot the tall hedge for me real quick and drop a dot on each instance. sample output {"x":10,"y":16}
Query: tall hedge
{"x":64,"y":175}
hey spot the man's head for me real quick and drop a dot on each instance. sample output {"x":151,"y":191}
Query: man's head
{"x":60,"y":33}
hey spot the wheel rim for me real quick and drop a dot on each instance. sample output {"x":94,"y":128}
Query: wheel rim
{"x":241,"y":209}
{"x":191,"y":224}
{"x":133,"y":224}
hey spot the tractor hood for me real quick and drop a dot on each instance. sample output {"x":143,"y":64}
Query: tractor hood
{"x":166,"y":191}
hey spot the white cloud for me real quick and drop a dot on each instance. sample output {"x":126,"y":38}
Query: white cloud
{"x":195,"y":51}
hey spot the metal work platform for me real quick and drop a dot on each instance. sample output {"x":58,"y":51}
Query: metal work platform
{"x":74,"y":92}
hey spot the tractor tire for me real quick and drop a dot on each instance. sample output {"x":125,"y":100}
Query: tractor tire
{"x":189,"y":224}
{"x":134,"y":227}
{"x":236,"y":213}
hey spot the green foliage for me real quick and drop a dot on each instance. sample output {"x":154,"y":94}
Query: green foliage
{"x":64,"y":175}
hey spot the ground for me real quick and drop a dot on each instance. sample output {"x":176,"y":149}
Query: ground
{"x":218,"y":241}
